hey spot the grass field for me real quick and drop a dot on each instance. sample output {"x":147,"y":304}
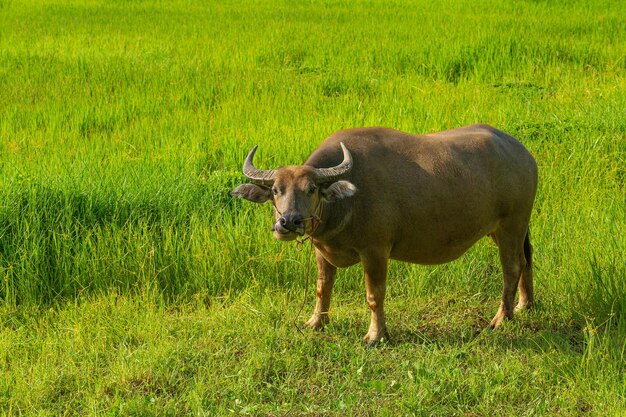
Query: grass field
{"x":131,"y":283}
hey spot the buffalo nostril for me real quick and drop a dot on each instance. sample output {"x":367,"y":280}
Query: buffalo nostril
{"x":291,"y":222}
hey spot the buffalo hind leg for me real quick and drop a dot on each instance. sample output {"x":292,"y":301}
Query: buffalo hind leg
{"x":325,"y":278}
{"x":375,"y":269}
{"x":526,"y":298}
{"x":513,"y":263}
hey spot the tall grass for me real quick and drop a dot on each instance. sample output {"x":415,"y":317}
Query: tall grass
{"x":123,"y":126}
{"x":121,"y":141}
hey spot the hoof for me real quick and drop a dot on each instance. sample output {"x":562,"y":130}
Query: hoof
{"x":498,"y":320}
{"x":372,"y":339}
{"x":316,"y":322}
{"x":523,"y":306}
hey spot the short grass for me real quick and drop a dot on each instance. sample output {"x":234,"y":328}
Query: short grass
{"x":132,"y":284}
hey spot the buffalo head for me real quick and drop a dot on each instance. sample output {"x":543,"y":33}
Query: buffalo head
{"x":298,"y":193}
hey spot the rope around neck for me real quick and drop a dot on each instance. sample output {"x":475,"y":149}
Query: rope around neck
{"x":306,"y":279}
{"x":316,"y":220}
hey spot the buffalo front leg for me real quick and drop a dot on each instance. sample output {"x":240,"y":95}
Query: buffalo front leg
{"x":326,"y":273}
{"x":375,"y":285}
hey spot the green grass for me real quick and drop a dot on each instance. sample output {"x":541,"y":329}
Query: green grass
{"x":131,"y":283}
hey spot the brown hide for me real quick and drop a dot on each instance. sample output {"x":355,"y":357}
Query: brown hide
{"x":425,"y":199}
{"x":419,"y":198}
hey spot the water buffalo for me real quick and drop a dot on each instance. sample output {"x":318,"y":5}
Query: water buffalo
{"x":373,"y":194}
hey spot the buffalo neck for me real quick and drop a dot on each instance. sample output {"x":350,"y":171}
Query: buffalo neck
{"x":334,"y":217}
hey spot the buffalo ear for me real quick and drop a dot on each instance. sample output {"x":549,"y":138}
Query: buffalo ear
{"x":338,"y":191}
{"x":252,"y":192}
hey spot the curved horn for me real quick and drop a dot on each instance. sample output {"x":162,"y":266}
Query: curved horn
{"x":332,"y":174}
{"x":258,"y":176}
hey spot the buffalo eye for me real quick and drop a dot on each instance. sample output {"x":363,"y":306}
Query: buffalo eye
{"x":275,"y":191}
{"x":311,"y":190}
